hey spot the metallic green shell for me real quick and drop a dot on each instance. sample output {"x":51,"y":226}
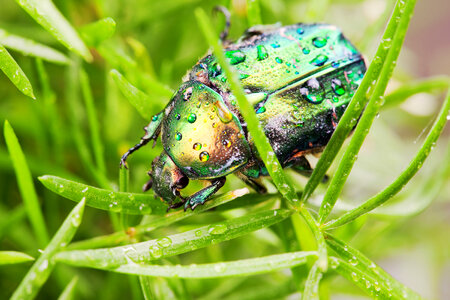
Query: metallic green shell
{"x":201,"y":135}
{"x":302,"y":77}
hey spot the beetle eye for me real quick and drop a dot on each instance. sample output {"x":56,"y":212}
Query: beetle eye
{"x":182,"y":182}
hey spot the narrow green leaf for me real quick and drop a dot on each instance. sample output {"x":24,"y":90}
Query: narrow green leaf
{"x":405,"y":176}
{"x":137,"y":98}
{"x":111,"y":258}
{"x":244,"y":267}
{"x":253,"y":13}
{"x":13,"y":257}
{"x":11,"y":69}
{"x":32,"y":48}
{"x":361,"y":262}
{"x":41,"y":269}
{"x":26,"y":186}
{"x":354,"y":109}
{"x":69,"y":291}
{"x":370,"y":112}
{"x":421,"y":86}
{"x":365,"y":281}
{"x":133,"y":233}
{"x":97,"y":32}
{"x":48,"y":16}
{"x":94,"y":126}
{"x":256,"y":131}
{"x":311,"y":291}
{"x":129,"y":203}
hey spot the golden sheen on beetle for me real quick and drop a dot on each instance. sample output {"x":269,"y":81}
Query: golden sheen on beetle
{"x":299,"y":78}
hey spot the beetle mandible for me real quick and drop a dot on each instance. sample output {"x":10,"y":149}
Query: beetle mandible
{"x":300,"y":79}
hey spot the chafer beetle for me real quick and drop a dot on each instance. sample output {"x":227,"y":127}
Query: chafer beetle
{"x":300,"y":78}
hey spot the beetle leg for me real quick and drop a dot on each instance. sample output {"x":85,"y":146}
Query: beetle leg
{"x":204,"y":194}
{"x":152,"y":131}
{"x":226,"y":13}
{"x":301,"y":165}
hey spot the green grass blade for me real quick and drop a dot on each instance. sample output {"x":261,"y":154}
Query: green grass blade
{"x":261,"y":142}
{"x":11,"y":69}
{"x":97,"y":32}
{"x":111,"y":258}
{"x":48,"y":16}
{"x":364,"y":280}
{"x":41,"y":269}
{"x":405,"y":176}
{"x":370,"y":112}
{"x":129,"y":203}
{"x":311,"y":291}
{"x":26,"y":186}
{"x":69,"y":291}
{"x":32,"y":48}
{"x":354,"y":109}
{"x":421,"y":86}
{"x":141,"y":101}
{"x":244,"y":267}
{"x":253,"y":13}
{"x":14,"y":257}
{"x":92,"y":115}
{"x":174,"y":216}
{"x":360,"y":261}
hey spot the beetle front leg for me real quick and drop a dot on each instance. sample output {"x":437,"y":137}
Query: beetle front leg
{"x":254,"y":183}
{"x":204,"y":194}
{"x":152,"y":131}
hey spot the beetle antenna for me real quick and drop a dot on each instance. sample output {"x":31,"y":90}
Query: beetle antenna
{"x":227,"y":15}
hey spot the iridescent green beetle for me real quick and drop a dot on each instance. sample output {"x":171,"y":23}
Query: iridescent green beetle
{"x":300,"y":79}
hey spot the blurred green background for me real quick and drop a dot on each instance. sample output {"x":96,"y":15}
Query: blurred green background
{"x":413,"y":245}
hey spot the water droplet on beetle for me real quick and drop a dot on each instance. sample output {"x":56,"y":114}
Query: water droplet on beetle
{"x":192,"y":118}
{"x":197,"y":146}
{"x":155,"y":118}
{"x":335,"y":64}
{"x":177,"y":116}
{"x":204,"y":156}
{"x":275,"y":45}
{"x":319,"y":42}
{"x":306,"y":51}
{"x":226,"y":143}
{"x":300,"y":30}
{"x":223,"y":112}
{"x":187,"y":93}
{"x":235,"y":56}
{"x":261,"y":53}
{"x":337,"y":87}
{"x":278,"y":60}
{"x":261,"y":110}
{"x":313,"y":91}
{"x":319,"y":60}
{"x":178,"y":136}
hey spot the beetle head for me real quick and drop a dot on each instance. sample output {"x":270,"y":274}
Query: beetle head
{"x":167,"y":178}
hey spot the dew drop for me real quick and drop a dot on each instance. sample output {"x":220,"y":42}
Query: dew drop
{"x":261,"y":53}
{"x":278,"y":60}
{"x":275,"y":45}
{"x":155,"y":251}
{"x":306,"y":51}
{"x":197,"y":146}
{"x":235,"y":56}
{"x":354,"y":276}
{"x":337,"y":87}
{"x":319,"y":42}
{"x":319,"y":60}
{"x":217,"y":229}
{"x":155,"y":118}
{"x":223,"y":112}
{"x":178,"y":136}
{"x":203,"y":156}
{"x":192,"y":118}
{"x":261,"y":110}
{"x":220,"y":267}
{"x":300,"y":30}
{"x":198,"y":233}
{"x":177,"y":116}
{"x":313,"y":91}
{"x":335,"y":64}
{"x":164,"y":242}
